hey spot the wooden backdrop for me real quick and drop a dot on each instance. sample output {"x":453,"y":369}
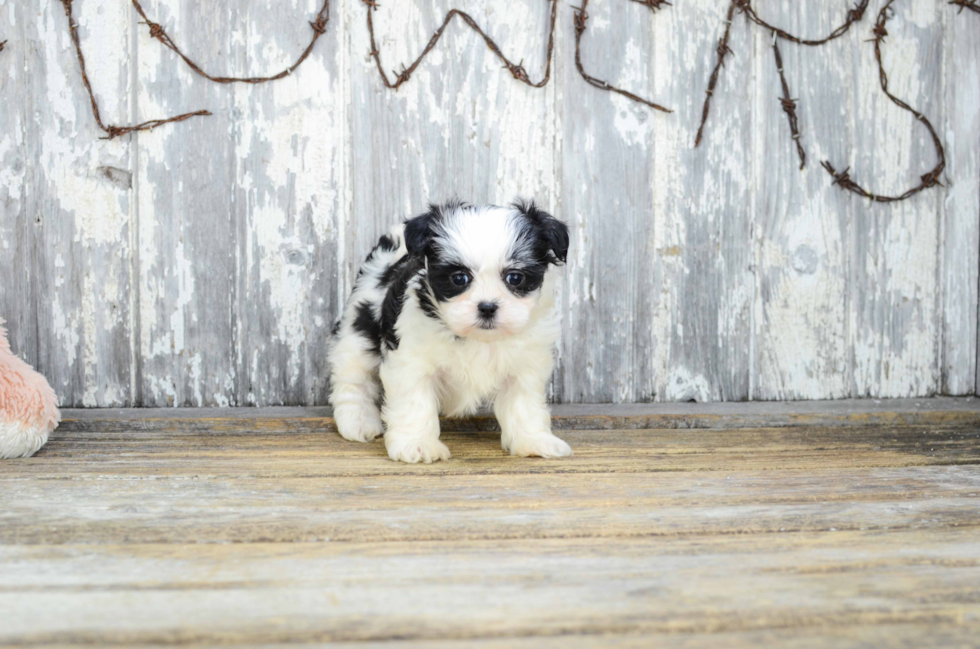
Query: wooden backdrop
{"x":203,"y":263}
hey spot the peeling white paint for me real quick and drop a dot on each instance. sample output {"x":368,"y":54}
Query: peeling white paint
{"x":693,"y":273}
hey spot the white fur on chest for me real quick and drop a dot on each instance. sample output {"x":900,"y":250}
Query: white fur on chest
{"x":469,"y":373}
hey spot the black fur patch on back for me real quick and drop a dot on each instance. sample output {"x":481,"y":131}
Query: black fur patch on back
{"x":367,"y":326}
{"x":391,"y":272}
{"x":405,"y":269}
{"x":386,"y":243}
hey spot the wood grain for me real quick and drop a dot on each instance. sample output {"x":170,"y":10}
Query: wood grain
{"x":16,"y":231}
{"x":288,"y":258}
{"x":894,"y":331}
{"x":78,"y":206}
{"x":323,"y":592}
{"x":203,"y":535}
{"x":962,"y":228}
{"x":188,"y":217}
{"x":802,"y":240}
{"x":610,"y":293}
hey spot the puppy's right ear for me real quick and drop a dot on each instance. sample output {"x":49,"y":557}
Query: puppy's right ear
{"x":419,"y":231}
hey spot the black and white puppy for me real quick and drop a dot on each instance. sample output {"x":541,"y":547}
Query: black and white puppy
{"x":451,"y":310}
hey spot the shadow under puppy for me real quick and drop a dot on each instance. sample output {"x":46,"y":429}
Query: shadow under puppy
{"x":450,"y":310}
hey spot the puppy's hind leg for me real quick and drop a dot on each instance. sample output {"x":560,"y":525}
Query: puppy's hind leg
{"x":355,"y":388}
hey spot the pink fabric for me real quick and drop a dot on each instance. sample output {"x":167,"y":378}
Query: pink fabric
{"x":25,"y":395}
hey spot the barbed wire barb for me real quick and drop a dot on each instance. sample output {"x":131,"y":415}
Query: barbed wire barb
{"x":971,"y":5}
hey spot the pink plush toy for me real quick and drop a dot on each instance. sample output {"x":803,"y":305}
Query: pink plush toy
{"x":28,"y":407}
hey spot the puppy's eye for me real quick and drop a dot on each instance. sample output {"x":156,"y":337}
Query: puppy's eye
{"x":514,"y":279}
{"x":460,"y":279}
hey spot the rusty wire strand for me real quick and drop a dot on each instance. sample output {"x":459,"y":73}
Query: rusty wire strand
{"x":972,"y":5}
{"x":2,"y":43}
{"x":722,"y":50}
{"x":854,"y":15}
{"x":788,"y":103}
{"x":516,"y":69}
{"x":581,"y":18}
{"x":928,"y":179}
{"x":111,"y":130}
{"x":159,"y":33}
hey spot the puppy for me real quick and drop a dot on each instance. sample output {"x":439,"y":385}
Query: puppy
{"x":451,"y":310}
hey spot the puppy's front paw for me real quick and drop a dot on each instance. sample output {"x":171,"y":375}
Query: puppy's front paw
{"x":537,"y":445}
{"x":414,"y":449}
{"x":358,"y":423}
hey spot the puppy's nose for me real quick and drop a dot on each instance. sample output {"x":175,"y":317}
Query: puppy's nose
{"x":487,"y":309}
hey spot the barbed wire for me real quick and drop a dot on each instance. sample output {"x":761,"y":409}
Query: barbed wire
{"x":112,"y":130}
{"x":854,"y":15}
{"x":158,"y":32}
{"x":788,"y":103}
{"x":972,"y":5}
{"x":928,"y":179}
{"x":581,"y":18}
{"x":722,"y":50}
{"x":2,"y":43}
{"x":516,"y":69}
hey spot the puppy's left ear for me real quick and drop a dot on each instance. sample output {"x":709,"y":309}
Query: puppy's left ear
{"x":552,"y":232}
{"x":418,"y":231}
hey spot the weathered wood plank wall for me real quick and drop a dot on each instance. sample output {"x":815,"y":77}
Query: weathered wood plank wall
{"x":202,"y":263}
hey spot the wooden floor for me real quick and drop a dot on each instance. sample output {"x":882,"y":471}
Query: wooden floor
{"x":847,"y":524}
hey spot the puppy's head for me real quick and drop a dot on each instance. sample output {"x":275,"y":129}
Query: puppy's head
{"x":486,"y":265}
